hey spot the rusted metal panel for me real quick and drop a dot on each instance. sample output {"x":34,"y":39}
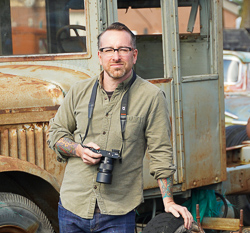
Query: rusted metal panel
{"x":38,"y":57}
{"x":23,"y":143}
{"x":33,"y":93}
{"x":63,"y":77}
{"x":160,"y":81}
{"x":205,"y":162}
{"x":233,"y":156}
{"x":12,"y":164}
{"x":27,"y":142}
{"x":237,"y":180}
{"x":27,"y":117}
{"x":18,"y":92}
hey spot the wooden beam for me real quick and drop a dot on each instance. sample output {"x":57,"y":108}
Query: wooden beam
{"x":226,"y":224}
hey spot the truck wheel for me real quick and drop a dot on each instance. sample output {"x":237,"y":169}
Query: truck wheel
{"x":167,"y":223}
{"x":241,"y":202}
{"x":235,"y":135}
{"x":18,"y":214}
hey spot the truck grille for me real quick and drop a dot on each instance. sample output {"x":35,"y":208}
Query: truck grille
{"x":26,"y":142}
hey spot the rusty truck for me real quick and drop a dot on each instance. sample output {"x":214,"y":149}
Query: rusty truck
{"x":46,"y":46}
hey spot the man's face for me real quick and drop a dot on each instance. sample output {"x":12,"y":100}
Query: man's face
{"x":117,"y":65}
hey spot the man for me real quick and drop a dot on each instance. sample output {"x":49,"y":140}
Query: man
{"x":87,"y":205}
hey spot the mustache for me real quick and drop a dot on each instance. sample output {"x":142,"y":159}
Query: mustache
{"x":116,"y":63}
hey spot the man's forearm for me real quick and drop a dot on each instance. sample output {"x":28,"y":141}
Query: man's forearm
{"x":66,"y":147}
{"x":166,"y":187}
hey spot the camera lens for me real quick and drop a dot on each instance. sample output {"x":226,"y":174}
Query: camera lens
{"x":105,"y":171}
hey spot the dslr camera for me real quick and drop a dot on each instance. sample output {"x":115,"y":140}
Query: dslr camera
{"x":105,"y":169}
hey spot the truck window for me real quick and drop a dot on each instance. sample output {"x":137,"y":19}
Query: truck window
{"x":149,"y":19}
{"x":42,"y":27}
{"x":148,"y":29}
{"x":231,"y":71}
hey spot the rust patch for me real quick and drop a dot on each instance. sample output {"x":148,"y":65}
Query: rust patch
{"x":49,"y":83}
{"x":155,"y":81}
{"x":38,"y":68}
{"x":24,"y":110}
{"x":27,"y":92}
{"x":55,"y":92}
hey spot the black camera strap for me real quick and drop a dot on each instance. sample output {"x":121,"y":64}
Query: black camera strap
{"x":90,"y":109}
{"x":124,"y":109}
{"x":123,"y":112}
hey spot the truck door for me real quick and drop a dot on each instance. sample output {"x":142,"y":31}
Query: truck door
{"x":193,"y":61}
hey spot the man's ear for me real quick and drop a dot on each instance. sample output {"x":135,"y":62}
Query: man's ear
{"x":100,"y":57}
{"x":135,"y":53}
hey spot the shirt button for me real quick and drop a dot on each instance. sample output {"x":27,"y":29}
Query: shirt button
{"x":105,"y":98}
{"x":103,"y":132}
{"x":95,"y":187}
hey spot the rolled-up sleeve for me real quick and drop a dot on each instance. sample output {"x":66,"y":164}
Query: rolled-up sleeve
{"x":158,"y":134}
{"x":62,"y":125}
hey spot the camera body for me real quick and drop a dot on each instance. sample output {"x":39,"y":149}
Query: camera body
{"x":105,"y":169}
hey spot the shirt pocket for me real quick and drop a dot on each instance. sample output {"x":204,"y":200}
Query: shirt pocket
{"x":133,"y":128}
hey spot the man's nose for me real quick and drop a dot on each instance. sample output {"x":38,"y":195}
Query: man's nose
{"x":116,"y":55}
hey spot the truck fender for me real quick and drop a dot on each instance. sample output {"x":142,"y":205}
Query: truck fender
{"x":14,"y":164}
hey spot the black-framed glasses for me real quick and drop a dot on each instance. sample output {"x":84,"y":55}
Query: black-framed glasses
{"x":109,"y":51}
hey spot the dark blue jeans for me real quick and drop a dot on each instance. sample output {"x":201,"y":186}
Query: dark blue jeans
{"x":71,"y":223}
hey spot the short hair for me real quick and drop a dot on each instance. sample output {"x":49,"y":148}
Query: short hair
{"x":118,"y":27}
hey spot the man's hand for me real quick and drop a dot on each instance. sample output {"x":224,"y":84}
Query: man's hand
{"x":166,"y":187}
{"x":87,"y":155}
{"x":69,"y":148}
{"x":177,"y":210}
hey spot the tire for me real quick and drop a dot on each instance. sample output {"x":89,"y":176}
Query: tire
{"x":166,"y":223}
{"x":18,"y":214}
{"x":235,"y":135}
{"x":241,"y":202}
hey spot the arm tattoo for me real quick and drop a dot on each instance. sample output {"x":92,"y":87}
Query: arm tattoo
{"x":166,"y":186}
{"x":66,"y":147}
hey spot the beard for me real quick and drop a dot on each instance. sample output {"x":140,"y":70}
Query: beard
{"x":116,"y":73}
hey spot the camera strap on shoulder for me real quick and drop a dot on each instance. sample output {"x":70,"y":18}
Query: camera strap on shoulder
{"x":123,"y":112}
{"x":124,"y":109}
{"x":90,"y":109}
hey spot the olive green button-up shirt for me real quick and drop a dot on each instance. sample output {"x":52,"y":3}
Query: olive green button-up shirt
{"x":147,"y":127}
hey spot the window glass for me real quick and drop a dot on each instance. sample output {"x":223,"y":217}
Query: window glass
{"x":145,"y":20}
{"x":148,"y":20}
{"x":231,"y":71}
{"x":42,"y":26}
